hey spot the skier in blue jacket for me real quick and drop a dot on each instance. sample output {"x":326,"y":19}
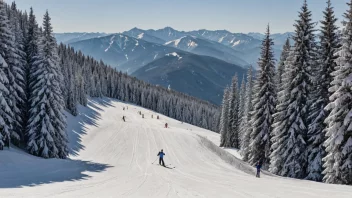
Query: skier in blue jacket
{"x":259,"y":166}
{"x":161,"y":157}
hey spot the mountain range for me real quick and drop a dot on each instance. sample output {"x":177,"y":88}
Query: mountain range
{"x":200,"y":76}
{"x":179,"y":59}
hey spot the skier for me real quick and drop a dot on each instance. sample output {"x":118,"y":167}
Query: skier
{"x":124,"y":108}
{"x":165,"y":125}
{"x":157,"y":117}
{"x":123,"y":118}
{"x":259,"y":166}
{"x":161,"y":158}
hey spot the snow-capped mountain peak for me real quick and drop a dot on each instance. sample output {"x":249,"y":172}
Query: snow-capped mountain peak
{"x":140,"y":36}
{"x":174,"y":54}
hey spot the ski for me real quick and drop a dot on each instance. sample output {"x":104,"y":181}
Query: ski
{"x":168,"y":167}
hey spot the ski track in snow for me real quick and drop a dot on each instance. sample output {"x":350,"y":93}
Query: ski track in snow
{"x":127,"y":149}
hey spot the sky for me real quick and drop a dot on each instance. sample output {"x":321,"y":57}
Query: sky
{"x":113,"y":16}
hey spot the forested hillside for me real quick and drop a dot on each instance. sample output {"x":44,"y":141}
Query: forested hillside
{"x":39,"y":80}
{"x":296,"y":121}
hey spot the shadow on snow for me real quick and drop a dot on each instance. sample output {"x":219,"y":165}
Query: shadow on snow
{"x":19,"y":169}
{"x":88,"y":116}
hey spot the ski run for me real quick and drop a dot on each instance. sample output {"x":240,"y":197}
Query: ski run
{"x":113,"y":158}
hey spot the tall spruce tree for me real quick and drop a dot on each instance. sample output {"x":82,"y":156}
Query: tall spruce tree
{"x":47,"y":123}
{"x":245,"y":129}
{"x":338,"y":161}
{"x":289,"y":157}
{"x":33,"y":58}
{"x":242,"y":100}
{"x":6,"y":56}
{"x":233,"y":100}
{"x":224,"y":118}
{"x":280,"y":136}
{"x":281,"y":66}
{"x":264,"y":108}
{"x":16,"y":74}
{"x":320,"y":94}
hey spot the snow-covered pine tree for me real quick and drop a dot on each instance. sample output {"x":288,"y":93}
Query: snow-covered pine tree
{"x":242,"y":101}
{"x":17,"y":71}
{"x":245,"y":129}
{"x":320,"y":94}
{"x":279,"y":133}
{"x":338,"y":162}
{"x":281,"y":66}
{"x":31,"y":48}
{"x":6,"y":113}
{"x":72,"y":98}
{"x":264,"y":108}
{"x":47,"y":134}
{"x":232,"y":139}
{"x":82,"y":97}
{"x":9,"y":67}
{"x":289,"y":157}
{"x":224,"y":118}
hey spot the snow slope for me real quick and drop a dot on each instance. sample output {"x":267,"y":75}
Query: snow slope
{"x":112,"y":158}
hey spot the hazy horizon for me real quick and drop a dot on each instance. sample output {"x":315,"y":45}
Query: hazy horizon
{"x":114,"y":16}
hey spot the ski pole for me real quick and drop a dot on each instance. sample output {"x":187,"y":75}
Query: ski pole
{"x":155,"y":160}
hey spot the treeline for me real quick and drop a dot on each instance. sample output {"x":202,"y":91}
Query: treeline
{"x":86,"y":77}
{"x":296,"y":119}
{"x":40,"y":79}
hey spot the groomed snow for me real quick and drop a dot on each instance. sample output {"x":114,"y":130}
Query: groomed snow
{"x":112,"y":158}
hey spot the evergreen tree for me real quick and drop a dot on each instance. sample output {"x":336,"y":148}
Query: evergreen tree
{"x":224,"y":118}
{"x":320,"y":94}
{"x":32,"y":60}
{"x":47,"y":123}
{"x":289,"y":157}
{"x":264,"y":107}
{"x":6,"y":52}
{"x":232,"y":139}
{"x":242,"y":100}
{"x":281,"y":66}
{"x":245,"y":129}
{"x":338,"y":162}
{"x":16,"y":72}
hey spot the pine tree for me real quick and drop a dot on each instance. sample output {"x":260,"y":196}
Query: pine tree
{"x":31,"y":48}
{"x":245,"y":129}
{"x":232,"y":139}
{"x":16,"y":72}
{"x":279,"y":125}
{"x":320,"y":94}
{"x":242,"y":100}
{"x":264,"y":108}
{"x":338,"y":162}
{"x":280,"y":133}
{"x":281,"y":66}
{"x":47,"y":123}
{"x":224,"y":118}
{"x":7,"y":61}
{"x":289,"y":157}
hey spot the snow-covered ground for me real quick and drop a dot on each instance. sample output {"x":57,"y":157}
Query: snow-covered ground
{"x":112,"y":158}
